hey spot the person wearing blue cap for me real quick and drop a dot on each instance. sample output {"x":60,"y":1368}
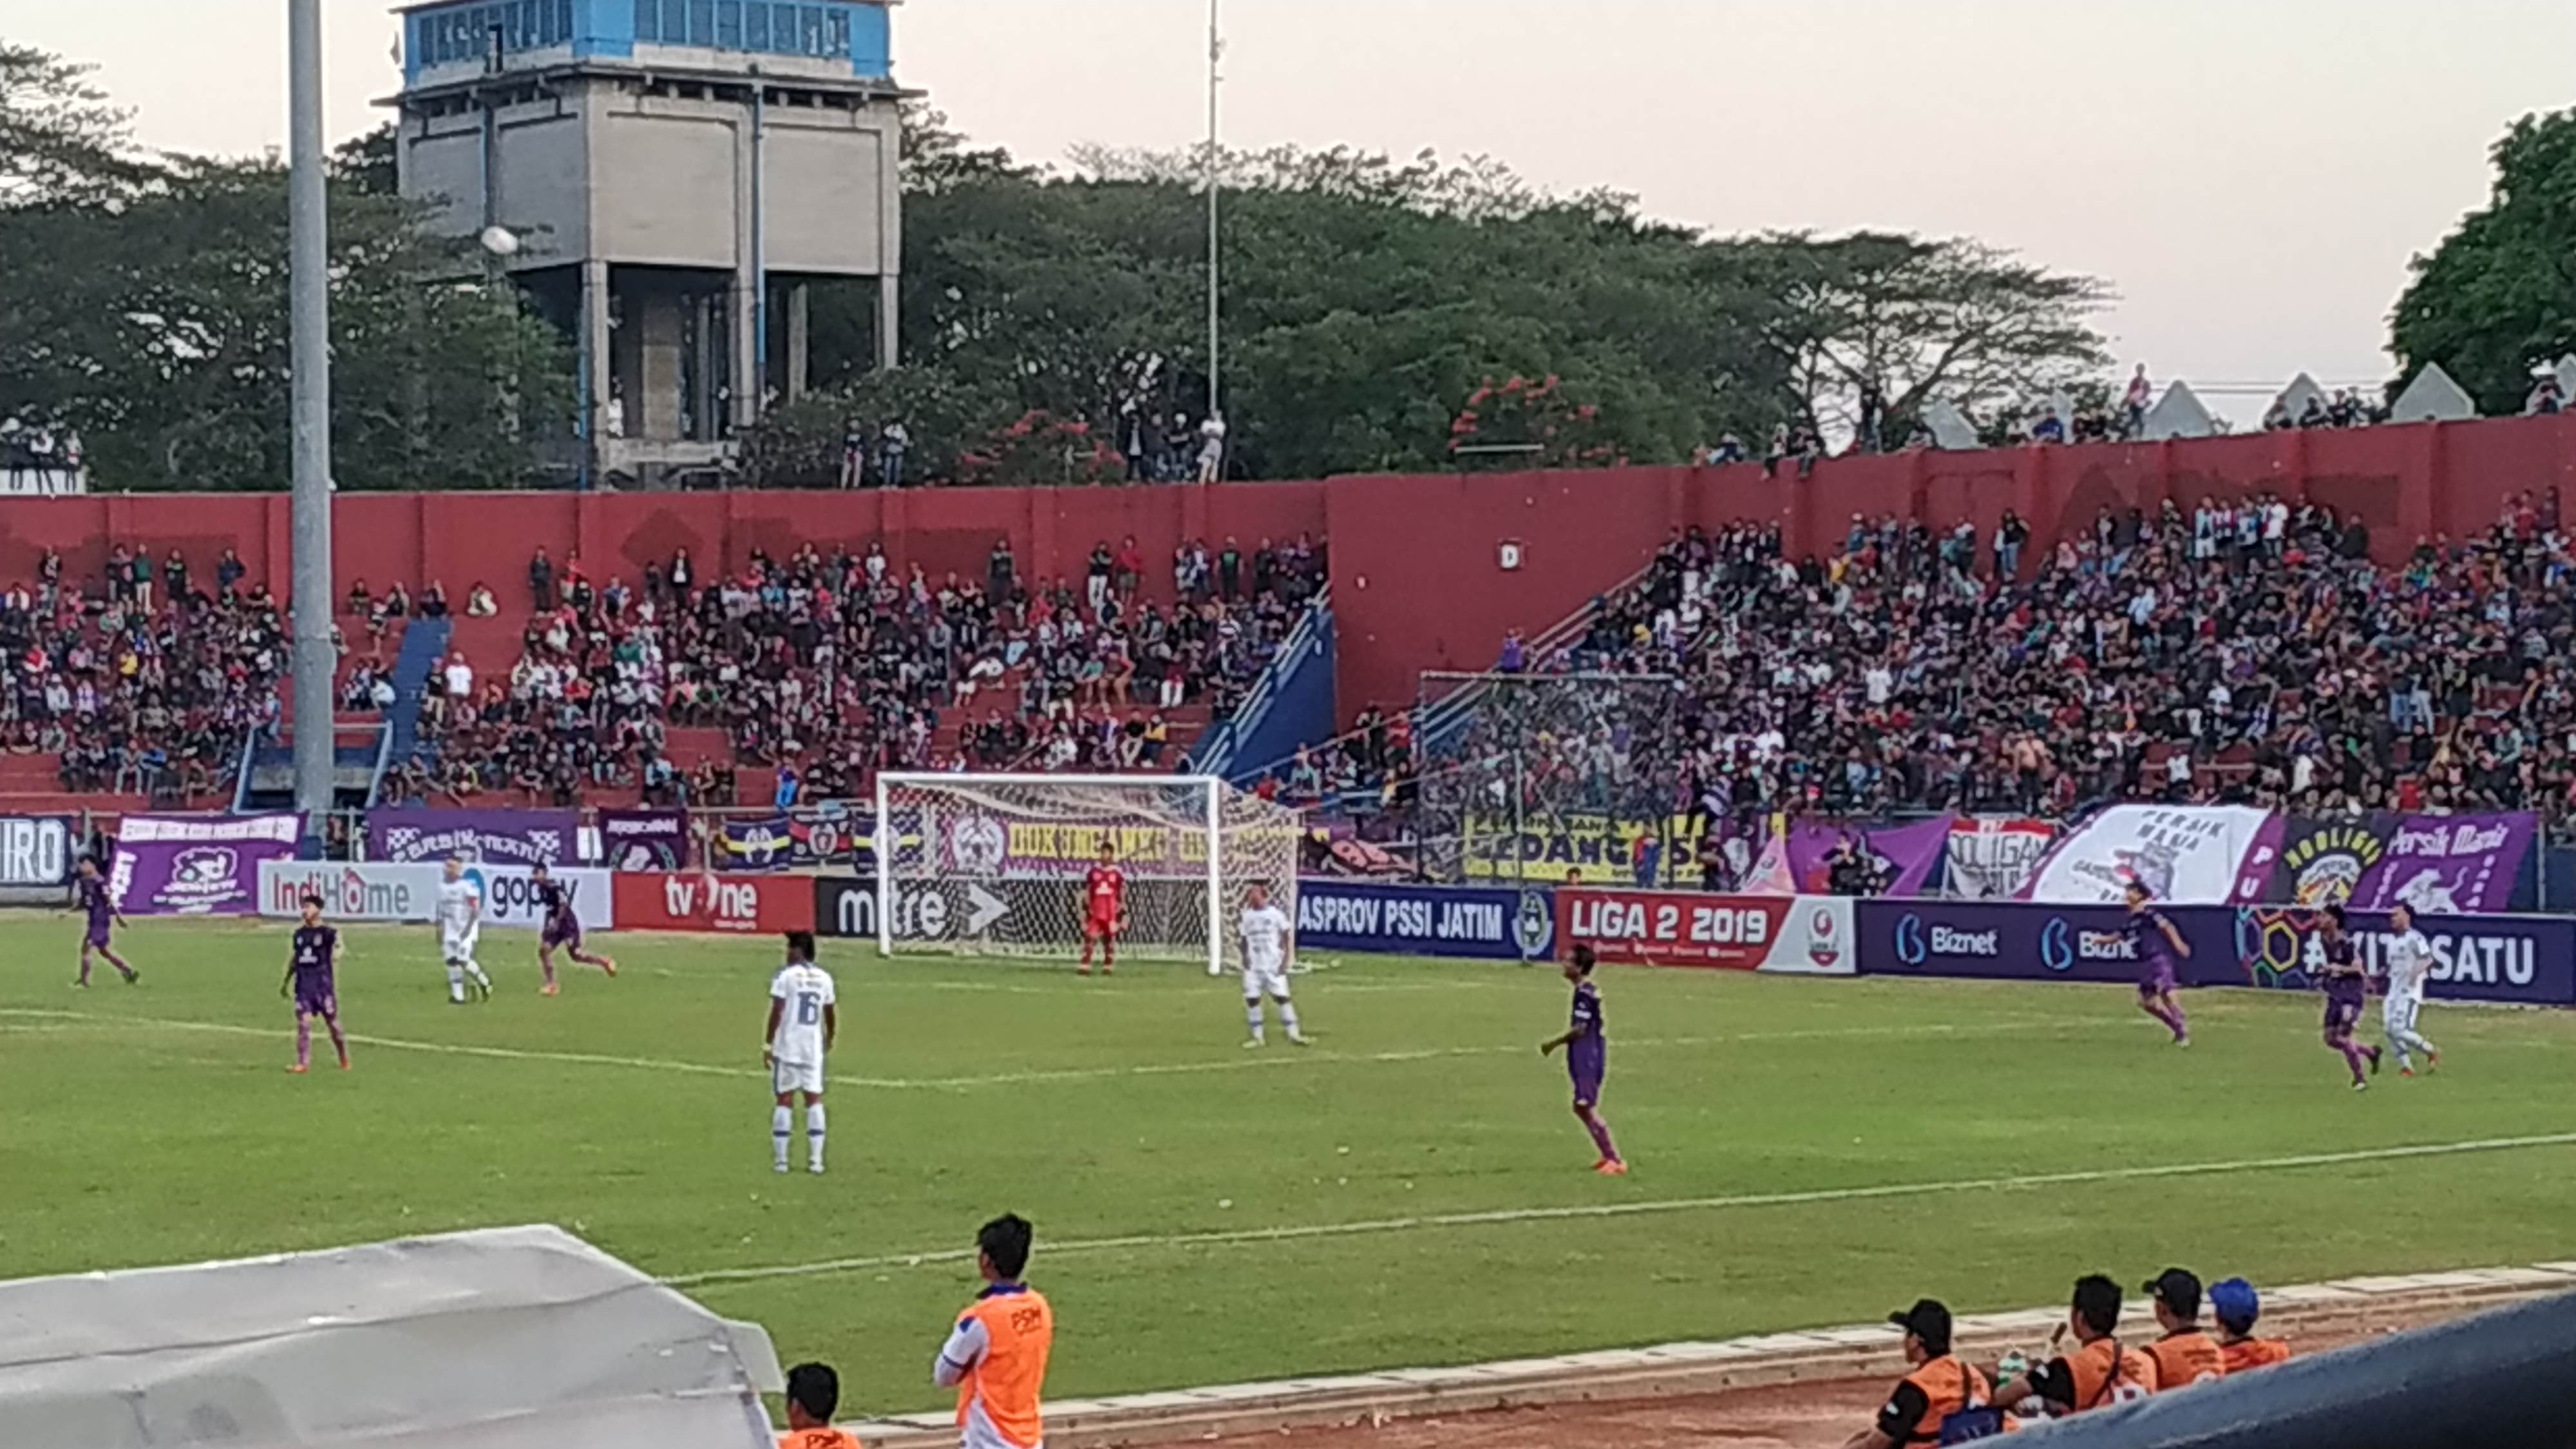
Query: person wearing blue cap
{"x":2236,"y":1305}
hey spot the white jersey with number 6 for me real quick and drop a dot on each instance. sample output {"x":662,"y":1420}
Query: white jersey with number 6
{"x":802,"y":990}
{"x":460,"y":918}
{"x":1265,"y":951}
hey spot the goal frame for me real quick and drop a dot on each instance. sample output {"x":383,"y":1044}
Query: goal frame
{"x":1211,"y":819}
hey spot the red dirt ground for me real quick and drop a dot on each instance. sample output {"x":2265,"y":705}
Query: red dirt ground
{"x":1819,"y":1415}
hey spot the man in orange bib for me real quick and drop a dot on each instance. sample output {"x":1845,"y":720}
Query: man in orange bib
{"x":813,"y":1397}
{"x":2184,"y":1355}
{"x":2236,"y":1305}
{"x":996,"y":1359}
{"x":2100,"y":1372}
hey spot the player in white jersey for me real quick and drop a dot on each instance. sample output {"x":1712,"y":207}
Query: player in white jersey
{"x":460,"y":926}
{"x":2410,"y":957}
{"x":803,"y":1020}
{"x":1265,"y":933}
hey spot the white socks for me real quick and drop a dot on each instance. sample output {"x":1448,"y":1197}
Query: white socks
{"x":1252,"y":1014}
{"x":1287,"y":1018}
{"x":782,"y":1130}
{"x":455,"y":983}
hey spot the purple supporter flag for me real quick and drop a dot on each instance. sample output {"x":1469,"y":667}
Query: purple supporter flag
{"x":2448,"y":865}
{"x":412,"y":835}
{"x":643,"y":840}
{"x":1907,"y":854}
{"x":169,"y":865}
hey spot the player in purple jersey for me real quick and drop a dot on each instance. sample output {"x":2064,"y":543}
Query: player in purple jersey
{"x":561,"y":927}
{"x":1587,"y":1060}
{"x":2347,"y":992}
{"x":311,"y":974}
{"x":2155,"y":943}
{"x":103,"y":919}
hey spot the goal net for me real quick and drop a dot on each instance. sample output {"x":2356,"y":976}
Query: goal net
{"x":996,"y":864}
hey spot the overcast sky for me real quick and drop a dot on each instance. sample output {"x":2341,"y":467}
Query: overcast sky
{"x":2251,"y":175}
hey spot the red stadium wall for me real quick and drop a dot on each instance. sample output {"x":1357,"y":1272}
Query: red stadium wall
{"x":1417,"y":581}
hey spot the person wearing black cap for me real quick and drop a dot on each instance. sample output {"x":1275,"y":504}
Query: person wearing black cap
{"x":2100,"y":1372}
{"x":1942,"y":1387}
{"x":2185,"y":1354}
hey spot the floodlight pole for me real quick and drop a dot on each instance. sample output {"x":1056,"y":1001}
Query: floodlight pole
{"x":310,"y":298}
{"x":1215,"y":317}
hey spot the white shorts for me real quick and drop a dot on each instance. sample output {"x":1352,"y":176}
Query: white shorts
{"x":786,"y":1077}
{"x":2397,"y":1013}
{"x":460,"y":949}
{"x":1270,"y":981}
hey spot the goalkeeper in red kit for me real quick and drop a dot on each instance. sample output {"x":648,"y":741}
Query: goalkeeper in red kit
{"x":1104,"y":895}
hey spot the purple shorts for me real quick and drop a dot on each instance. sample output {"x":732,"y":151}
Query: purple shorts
{"x":2342,"y":1015}
{"x":325,"y":1004}
{"x":567,"y":934}
{"x":1586,"y":1077}
{"x":2158,"y":981}
{"x":98,"y":934}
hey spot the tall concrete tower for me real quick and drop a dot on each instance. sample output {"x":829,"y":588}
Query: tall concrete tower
{"x":678,"y":175}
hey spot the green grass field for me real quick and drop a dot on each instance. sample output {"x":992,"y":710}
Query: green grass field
{"x":1807,"y":1151}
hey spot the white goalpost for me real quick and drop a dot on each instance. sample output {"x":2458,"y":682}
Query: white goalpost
{"x":995,"y":864}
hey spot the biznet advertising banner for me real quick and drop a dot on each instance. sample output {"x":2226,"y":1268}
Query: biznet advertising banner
{"x":186,"y":865}
{"x":1808,"y":935}
{"x":2526,"y":960}
{"x":373,"y":891}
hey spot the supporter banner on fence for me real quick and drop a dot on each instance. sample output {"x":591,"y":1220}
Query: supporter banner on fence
{"x":2323,"y":860}
{"x":37,"y":850}
{"x":749,"y":905}
{"x":2007,"y":941}
{"x":2449,"y":864}
{"x":1904,"y":856}
{"x":178,"y":865}
{"x":408,"y":836}
{"x":1479,"y":922}
{"x":1803,"y":934}
{"x":1597,"y":849}
{"x":643,"y":839}
{"x":1991,"y":857}
{"x":821,"y":837}
{"x":2524,"y":960}
{"x":2186,"y":855}
{"x":376,"y":891}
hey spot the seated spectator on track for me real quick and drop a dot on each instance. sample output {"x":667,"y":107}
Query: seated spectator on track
{"x":2101,"y":1372}
{"x":1942,"y":1399}
{"x":2236,"y":1306}
{"x":813,"y":1397}
{"x":2184,"y":1355}
{"x":479,"y":603}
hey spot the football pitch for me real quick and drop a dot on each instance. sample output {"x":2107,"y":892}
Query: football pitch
{"x":1409,"y":1190}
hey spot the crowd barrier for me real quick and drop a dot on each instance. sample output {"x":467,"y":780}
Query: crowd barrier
{"x":384,"y":892}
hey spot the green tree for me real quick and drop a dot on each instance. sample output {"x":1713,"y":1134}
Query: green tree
{"x":2498,"y":296}
{"x":60,"y":140}
{"x":1909,"y":321}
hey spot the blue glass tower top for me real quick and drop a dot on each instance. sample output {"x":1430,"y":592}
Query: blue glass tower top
{"x":455,"y":39}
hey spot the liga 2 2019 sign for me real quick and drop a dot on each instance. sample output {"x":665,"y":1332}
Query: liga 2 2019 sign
{"x":1805,"y":935}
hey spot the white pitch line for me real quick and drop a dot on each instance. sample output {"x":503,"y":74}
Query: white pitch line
{"x":1066,"y":1074}
{"x":1503,"y":1216}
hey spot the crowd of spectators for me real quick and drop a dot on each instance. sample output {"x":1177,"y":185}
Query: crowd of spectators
{"x":2246,"y":651}
{"x":146,"y":681}
{"x":838,"y":664}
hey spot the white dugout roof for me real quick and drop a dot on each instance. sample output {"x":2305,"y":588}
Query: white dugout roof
{"x":511,"y":1338}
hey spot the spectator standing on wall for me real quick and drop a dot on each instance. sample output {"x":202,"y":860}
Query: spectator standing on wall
{"x":141,"y":571}
{"x":682,"y":576}
{"x":2050,"y":428}
{"x":1000,"y":574}
{"x":2133,"y":404}
{"x":784,"y":799}
{"x":1212,"y":449}
{"x":1229,"y":570}
{"x":228,"y":573}
{"x":541,"y":581}
{"x":854,"y":454}
{"x":1096,"y":578}
{"x":892,"y":445}
{"x":2010,"y":535}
